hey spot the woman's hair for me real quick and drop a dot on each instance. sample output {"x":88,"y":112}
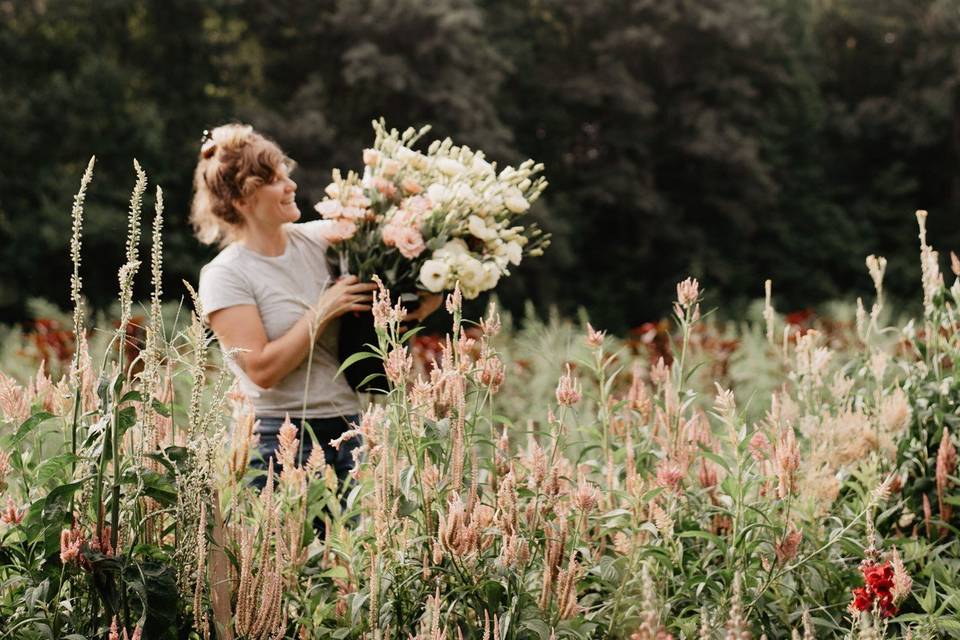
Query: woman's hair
{"x":234,"y":162}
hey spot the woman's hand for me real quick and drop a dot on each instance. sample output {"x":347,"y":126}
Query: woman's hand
{"x":429,"y":302}
{"x":345,"y":295}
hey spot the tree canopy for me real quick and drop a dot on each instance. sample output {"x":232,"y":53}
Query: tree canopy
{"x":732,"y":141}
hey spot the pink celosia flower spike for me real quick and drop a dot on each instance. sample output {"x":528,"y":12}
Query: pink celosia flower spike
{"x":594,"y":337}
{"x":568,"y":389}
{"x":11,"y":515}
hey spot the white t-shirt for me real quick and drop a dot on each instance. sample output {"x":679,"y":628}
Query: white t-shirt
{"x":283,"y":288}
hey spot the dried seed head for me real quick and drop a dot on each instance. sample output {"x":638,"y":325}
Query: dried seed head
{"x":688,"y":292}
{"x":725,"y":403}
{"x":490,"y":326}
{"x":787,"y":456}
{"x":662,"y":521}
{"x":877,"y":266}
{"x":11,"y":515}
{"x":787,"y":548}
{"x":455,"y":300}
{"x":594,"y":338}
{"x":398,"y":365}
{"x":902,"y":582}
{"x":768,"y":313}
{"x":669,"y":474}
{"x":586,"y":497}
{"x":568,"y":389}
{"x":660,"y":372}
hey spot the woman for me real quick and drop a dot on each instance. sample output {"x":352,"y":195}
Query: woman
{"x":269,"y":297}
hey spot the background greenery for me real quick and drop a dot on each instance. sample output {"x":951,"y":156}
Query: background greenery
{"x":732,"y":141}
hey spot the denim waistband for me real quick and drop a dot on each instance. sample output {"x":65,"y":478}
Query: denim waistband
{"x":270,"y":425}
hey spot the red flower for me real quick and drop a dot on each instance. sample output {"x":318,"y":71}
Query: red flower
{"x":862,"y":599}
{"x":878,"y":579}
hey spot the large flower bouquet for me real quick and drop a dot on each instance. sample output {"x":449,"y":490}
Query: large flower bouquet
{"x":429,"y":220}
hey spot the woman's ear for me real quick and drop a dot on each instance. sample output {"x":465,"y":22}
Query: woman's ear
{"x":243,"y":205}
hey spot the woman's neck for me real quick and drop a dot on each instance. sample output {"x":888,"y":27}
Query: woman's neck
{"x":267,"y":242}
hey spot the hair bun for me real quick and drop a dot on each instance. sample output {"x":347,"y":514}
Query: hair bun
{"x":208,"y":149}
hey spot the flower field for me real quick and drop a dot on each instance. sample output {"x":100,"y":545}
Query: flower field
{"x":789,"y":478}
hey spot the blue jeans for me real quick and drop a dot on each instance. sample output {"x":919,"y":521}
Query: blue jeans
{"x":324,"y":430}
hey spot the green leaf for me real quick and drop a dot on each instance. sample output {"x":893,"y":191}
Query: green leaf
{"x":161,"y":408}
{"x":411,"y":333}
{"x":337,"y":572}
{"x":370,"y":378}
{"x":131,"y":396}
{"x":929,"y":599}
{"x":947,"y":624}
{"x":355,"y":358}
{"x":706,"y":535}
{"x":30,"y":424}
{"x":541,"y":628}
{"x":51,"y":466}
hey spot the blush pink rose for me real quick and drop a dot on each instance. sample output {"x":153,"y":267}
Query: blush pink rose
{"x":390,"y":167}
{"x":329,"y":208}
{"x":338,"y":230}
{"x":410,"y":186}
{"x":385,"y":187}
{"x":405,"y":238}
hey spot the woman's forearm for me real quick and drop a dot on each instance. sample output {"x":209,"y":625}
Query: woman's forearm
{"x":277,"y":358}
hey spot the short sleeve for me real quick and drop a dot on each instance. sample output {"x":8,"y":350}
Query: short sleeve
{"x":222,"y":287}
{"x":313,"y":232}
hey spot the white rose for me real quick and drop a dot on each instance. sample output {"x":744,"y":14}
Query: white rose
{"x":329,"y":208}
{"x":405,"y":154}
{"x":516,"y":203}
{"x":434,"y":274}
{"x":470,"y":271}
{"x":438,"y":193}
{"x":453,"y":248}
{"x":418,"y":161}
{"x":464,"y":192}
{"x":514,"y":252}
{"x":449,"y":166}
{"x":479,"y":228}
{"x":481,"y":165}
{"x":491,"y":276}
{"x":469,"y":293}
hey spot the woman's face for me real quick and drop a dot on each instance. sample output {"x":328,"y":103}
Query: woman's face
{"x":274,"y":203}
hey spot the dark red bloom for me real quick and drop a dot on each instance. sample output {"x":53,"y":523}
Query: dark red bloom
{"x":862,"y":599}
{"x":878,"y":585}
{"x":879,"y":577}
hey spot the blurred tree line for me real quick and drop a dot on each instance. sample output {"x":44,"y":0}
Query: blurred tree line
{"x":733,"y":141}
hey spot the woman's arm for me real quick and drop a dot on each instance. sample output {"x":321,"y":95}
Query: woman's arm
{"x":429,"y":302}
{"x":266,"y":362}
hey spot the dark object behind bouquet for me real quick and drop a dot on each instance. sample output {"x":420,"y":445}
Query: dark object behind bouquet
{"x":356,"y":333}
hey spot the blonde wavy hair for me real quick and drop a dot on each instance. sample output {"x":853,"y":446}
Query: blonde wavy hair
{"x":234,"y":162}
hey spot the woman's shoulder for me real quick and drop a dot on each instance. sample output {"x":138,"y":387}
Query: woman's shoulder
{"x":226,"y":264}
{"x":313,"y":232}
